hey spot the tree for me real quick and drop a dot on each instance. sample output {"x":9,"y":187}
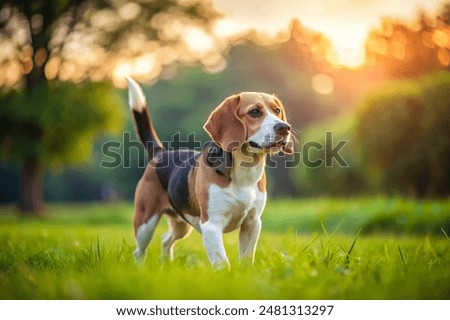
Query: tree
{"x":403,"y":50}
{"x":403,"y":128}
{"x":48,"y":45}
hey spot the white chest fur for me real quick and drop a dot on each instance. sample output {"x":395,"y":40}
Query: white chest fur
{"x":229,"y":206}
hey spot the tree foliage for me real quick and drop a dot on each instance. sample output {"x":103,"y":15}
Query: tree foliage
{"x":319,"y":174}
{"x":56,"y":122}
{"x":93,"y":39}
{"x":404,"y":129}
{"x":405,"y":50}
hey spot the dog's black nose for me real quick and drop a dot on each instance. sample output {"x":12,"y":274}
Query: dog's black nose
{"x":282,"y":128}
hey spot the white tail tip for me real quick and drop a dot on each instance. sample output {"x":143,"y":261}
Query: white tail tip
{"x":136,"y":98}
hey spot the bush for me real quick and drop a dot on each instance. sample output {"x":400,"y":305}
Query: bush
{"x":403,"y":128}
{"x":331,"y":178}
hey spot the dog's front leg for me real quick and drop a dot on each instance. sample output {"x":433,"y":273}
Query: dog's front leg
{"x":213,"y":242}
{"x":248,"y":238}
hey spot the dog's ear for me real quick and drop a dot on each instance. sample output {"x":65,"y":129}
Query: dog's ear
{"x":225,"y":127}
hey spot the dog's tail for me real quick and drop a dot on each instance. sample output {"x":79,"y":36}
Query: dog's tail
{"x":142,"y":121}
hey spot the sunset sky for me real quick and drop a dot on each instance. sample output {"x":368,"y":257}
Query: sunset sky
{"x":345,"y":22}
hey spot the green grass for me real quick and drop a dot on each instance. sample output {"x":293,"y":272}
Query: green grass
{"x":309,"y":249}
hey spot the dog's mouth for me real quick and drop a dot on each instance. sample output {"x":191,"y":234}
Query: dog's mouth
{"x":270,"y":145}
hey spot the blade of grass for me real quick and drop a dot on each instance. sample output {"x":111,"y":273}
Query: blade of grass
{"x":98,"y":249}
{"x":347,"y":258}
{"x":310,"y":243}
{"x":329,"y":235}
{"x":401,"y":254}
{"x":445,"y":233}
{"x":337,"y":227}
{"x":323,"y":228}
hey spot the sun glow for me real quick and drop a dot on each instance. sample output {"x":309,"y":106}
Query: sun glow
{"x":345,"y":23}
{"x":197,"y":40}
{"x":342,"y":45}
{"x":143,"y":67}
{"x":347,"y":48}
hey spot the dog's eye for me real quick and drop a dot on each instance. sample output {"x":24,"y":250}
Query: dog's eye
{"x":255,"y":113}
{"x":277,"y":111}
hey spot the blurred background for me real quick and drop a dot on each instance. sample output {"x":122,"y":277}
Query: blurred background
{"x":374,"y":73}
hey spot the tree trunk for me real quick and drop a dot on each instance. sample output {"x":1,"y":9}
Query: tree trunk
{"x":31,"y":199}
{"x":422,"y":180}
{"x":31,"y":187}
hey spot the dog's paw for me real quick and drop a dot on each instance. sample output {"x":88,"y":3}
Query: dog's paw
{"x":223,"y":265}
{"x":139,"y":257}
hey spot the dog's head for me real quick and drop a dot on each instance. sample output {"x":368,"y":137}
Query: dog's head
{"x":258,"y":119}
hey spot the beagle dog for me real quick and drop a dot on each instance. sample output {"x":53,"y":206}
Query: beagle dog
{"x":216,"y":190}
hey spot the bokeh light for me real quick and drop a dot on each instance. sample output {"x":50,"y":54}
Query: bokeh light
{"x":323,"y":84}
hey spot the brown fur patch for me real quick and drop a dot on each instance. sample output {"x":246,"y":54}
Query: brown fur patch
{"x":225,"y":127}
{"x":150,"y":197}
{"x":262,"y":182}
{"x":280,"y":105}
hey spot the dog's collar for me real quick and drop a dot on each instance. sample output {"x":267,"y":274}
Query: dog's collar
{"x":219,"y":159}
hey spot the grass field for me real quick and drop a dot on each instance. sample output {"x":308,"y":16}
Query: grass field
{"x":309,"y":249}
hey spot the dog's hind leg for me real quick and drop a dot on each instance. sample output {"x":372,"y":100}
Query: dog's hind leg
{"x":178,"y":229}
{"x":149,"y":201}
{"x":144,"y":234}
